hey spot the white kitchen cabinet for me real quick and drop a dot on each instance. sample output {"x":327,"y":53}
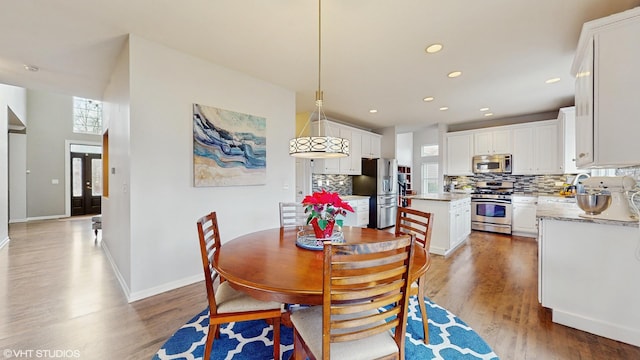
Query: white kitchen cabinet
{"x":360,"y":215}
{"x":460,"y":222}
{"x":451,"y":222}
{"x":587,"y":277}
{"x":567,"y":127}
{"x":536,"y":149}
{"x":607,"y":87}
{"x":359,"y":141}
{"x":524,"y":222}
{"x":352,"y":164}
{"x":489,"y":142}
{"x":459,"y":153}
{"x":371,"y":145}
{"x":326,"y":166}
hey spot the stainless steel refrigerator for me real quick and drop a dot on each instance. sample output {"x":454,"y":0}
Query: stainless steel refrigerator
{"x":379,"y":181}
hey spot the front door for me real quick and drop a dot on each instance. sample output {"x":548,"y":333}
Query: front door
{"x":86,"y":183}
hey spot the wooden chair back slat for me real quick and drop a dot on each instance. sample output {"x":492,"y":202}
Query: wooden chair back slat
{"x":292,"y":214}
{"x":415,"y":222}
{"x":365,"y":290}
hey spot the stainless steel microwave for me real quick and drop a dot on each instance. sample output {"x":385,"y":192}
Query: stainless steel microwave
{"x":500,"y":164}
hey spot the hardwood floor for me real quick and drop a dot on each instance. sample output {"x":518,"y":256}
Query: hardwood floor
{"x":58,"y":292}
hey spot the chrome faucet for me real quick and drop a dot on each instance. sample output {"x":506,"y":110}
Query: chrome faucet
{"x":578,"y":177}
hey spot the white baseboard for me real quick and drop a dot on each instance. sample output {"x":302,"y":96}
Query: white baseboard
{"x":598,"y":327}
{"x":13,"y":221}
{"x":4,"y":242}
{"x":48,"y":217}
{"x":139,"y":295}
{"x":123,"y":284}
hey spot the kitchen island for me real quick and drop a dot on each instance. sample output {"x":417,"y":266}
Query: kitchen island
{"x":588,"y":272}
{"x":451,"y":219}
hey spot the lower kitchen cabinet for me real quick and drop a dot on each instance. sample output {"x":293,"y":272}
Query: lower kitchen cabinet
{"x":451,"y":221}
{"x":587,"y":276}
{"x":360,"y":215}
{"x":524,"y":221}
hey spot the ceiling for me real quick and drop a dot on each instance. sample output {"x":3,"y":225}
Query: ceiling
{"x":372,"y":50}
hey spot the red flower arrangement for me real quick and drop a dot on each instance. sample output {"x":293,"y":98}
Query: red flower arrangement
{"x":323,"y":207}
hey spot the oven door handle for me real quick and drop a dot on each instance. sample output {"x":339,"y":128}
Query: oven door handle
{"x":491,"y":201}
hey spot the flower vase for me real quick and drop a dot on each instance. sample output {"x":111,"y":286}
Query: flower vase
{"x":320,"y":233}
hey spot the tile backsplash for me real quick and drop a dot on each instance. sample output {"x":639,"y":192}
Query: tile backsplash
{"x":342,"y":184}
{"x":543,"y":184}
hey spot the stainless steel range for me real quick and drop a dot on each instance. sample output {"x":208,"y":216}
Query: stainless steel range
{"x":491,"y":208}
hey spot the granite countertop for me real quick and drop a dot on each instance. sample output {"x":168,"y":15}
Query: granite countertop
{"x":571,"y":212}
{"x":439,"y":197}
{"x":353,"y":197}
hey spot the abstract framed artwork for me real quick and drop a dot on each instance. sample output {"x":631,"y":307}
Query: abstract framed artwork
{"x":229,"y":148}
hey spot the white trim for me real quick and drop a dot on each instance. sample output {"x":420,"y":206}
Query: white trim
{"x":596,"y":326}
{"x":139,"y":295}
{"x":4,"y":242}
{"x":67,"y":170}
{"x":116,"y":271}
{"x":13,"y":221}
{"x":48,"y":217}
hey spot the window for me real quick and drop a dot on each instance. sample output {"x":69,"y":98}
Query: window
{"x":430,"y":177}
{"x":429,"y":150}
{"x":87,"y":116}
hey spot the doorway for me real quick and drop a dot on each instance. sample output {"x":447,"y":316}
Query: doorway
{"x":86,"y":183}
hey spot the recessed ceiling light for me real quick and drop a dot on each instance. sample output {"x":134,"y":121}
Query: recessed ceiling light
{"x":488,"y":114}
{"x":428,"y":98}
{"x":484,"y":109}
{"x":373,"y":111}
{"x":444,"y":108}
{"x":31,"y":67}
{"x":434,"y":48}
{"x":454,"y":74}
{"x":552,"y":80}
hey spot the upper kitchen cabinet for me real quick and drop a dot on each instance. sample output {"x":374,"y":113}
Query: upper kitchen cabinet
{"x":491,"y":142}
{"x":352,"y":164}
{"x":371,"y":145}
{"x":567,"y":127}
{"x":361,"y":144}
{"x":459,"y":153}
{"x":607,"y":88}
{"x":536,"y":149}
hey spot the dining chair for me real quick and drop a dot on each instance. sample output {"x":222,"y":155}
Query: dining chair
{"x":292,"y":214}
{"x":418,"y":224}
{"x":364,"y":303}
{"x":225,"y":303}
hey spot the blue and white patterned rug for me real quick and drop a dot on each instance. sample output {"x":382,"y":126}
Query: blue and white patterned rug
{"x":449,"y":338}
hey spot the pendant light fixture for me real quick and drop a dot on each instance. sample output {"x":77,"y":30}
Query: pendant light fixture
{"x":318,"y":147}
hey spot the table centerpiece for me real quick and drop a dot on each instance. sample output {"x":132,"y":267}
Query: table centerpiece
{"x":323,"y":208}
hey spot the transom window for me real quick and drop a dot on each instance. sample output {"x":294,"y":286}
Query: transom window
{"x":87,"y":116}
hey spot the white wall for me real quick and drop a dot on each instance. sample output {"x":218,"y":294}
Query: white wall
{"x":14,"y":99}
{"x":162,"y":201}
{"x":404,"y":149}
{"x":116,"y":209}
{"x":17,"y":177}
{"x":427,"y":136}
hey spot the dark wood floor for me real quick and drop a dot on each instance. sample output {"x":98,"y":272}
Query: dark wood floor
{"x":58,"y":292}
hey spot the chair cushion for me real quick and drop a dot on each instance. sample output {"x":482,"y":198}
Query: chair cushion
{"x":308,"y":323}
{"x":231,"y":300}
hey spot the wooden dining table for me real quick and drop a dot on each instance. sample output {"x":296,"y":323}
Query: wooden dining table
{"x":268,"y":264}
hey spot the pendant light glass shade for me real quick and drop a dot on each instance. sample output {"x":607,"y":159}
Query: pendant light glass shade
{"x":318,"y":147}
